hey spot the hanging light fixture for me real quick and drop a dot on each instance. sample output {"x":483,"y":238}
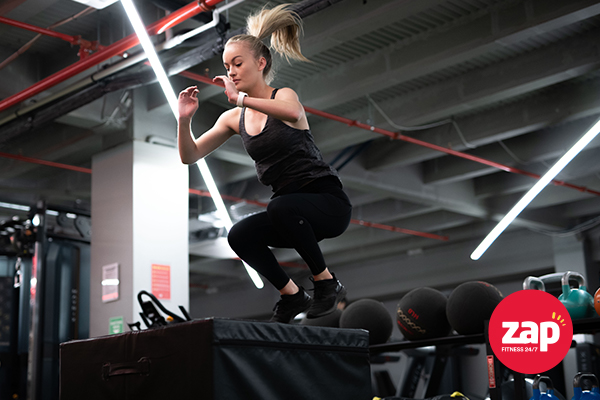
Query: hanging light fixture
{"x":536,"y":189}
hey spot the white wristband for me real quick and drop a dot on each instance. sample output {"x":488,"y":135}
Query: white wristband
{"x":240,"y":99}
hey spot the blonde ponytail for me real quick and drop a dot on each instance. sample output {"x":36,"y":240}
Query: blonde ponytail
{"x":283,"y":26}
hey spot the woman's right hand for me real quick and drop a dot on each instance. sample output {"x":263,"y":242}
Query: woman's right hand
{"x":187,"y":103}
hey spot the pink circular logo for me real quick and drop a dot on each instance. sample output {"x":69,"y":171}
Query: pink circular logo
{"x":530,"y":331}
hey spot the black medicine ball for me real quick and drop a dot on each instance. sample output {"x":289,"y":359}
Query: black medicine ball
{"x":421,"y":314}
{"x":470,"y":304}
{"x":371,"y":315}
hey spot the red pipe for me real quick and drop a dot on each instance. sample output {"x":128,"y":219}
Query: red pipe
{"x":108,"y":52}
{"x":398,"y":136}
{"x":352,"y":221}
{"x":86,"y":47}
{"x":396,"y":229}
{"x":47,"y":163}
{"x":43,"y":31}
{"x":205,"y":6}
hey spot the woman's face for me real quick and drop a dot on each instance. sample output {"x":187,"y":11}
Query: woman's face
{"x":241,"y":65}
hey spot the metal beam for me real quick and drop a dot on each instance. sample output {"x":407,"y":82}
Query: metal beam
{"x":546,"y":66}
{"x":564,"y":102}
{"x":406,"y":184}
{"x":546,"y":144}
{"x":551,"y":195}
{"x":581,"y":208}
{"x":452,"y":46}
{"x":497,"y":185}
{"x":356,"y":19}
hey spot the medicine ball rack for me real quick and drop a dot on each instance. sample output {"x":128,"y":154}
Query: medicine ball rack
{"x":587,"y":325}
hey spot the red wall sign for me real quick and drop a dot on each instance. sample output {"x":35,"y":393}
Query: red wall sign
{"x":161,"y":281}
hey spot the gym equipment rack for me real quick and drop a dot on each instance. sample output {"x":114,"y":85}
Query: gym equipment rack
{"x":587,"y":325}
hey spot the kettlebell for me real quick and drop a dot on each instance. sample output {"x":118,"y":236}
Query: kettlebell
{"x":579,"y":393}
{"x":577,"y":301}
{"x":531,"y":282}
{"x":597,"y":301}
{"x":548,"y":394}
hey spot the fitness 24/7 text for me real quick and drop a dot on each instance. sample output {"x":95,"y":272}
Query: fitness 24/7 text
{"x":519,"y":349}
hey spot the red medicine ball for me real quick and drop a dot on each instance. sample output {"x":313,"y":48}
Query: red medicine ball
{"x":421,"y":314}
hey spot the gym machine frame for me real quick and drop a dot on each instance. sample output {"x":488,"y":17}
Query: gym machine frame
{"x":494,"y":367}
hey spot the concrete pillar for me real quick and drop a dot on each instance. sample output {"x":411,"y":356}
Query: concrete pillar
{"x":139,"y":219}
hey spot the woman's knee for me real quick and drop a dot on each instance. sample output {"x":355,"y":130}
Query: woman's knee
{"x":237,"y":236}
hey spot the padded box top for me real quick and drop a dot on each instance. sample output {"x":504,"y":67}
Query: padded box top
{"x":230,"y":330}
{"x":227,"y":330}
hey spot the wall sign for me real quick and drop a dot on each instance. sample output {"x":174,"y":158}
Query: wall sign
{"x":161,"y":281}
{"x":115,"y":325}
{"x":110,"y":282}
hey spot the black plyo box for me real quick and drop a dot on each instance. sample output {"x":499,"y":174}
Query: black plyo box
{"x":219,"y":359}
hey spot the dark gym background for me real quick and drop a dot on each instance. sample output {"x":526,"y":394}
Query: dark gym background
{"x":514,"y":81}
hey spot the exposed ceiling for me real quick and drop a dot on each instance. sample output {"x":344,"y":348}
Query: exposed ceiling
{"x":515,"y":82}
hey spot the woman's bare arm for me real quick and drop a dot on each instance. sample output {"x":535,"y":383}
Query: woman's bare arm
{"x":190,"y":149}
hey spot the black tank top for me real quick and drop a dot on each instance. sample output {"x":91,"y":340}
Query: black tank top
{"x":286,"y":158}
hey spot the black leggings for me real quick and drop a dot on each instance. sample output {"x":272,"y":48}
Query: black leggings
{"x":296,"y":220}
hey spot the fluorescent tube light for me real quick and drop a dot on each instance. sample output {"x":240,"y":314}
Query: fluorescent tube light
{"x":140,"y":30}
{"x":224,"y":215}
{"x":535,"y":190}
{"x":14,"y":206}
{"x":161,"y":75}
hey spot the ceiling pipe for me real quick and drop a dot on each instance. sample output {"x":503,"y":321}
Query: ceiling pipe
{"x":27,"y":45}
{"x":108,"y":52}
{"x":352,"y":221}
{"x":112,"y":69}
{"x":86,"y":45}
{"x":398,"y":136}
{"x":101,"y":82}
{"x":182,"y":62}
{"x":32,"y":160}
{"x":43,"y":31}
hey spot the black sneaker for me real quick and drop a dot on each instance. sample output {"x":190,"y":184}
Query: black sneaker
{"x":327,"y":295}
{"x":291,"y":305}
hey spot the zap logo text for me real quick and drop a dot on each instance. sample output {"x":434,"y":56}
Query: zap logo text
{"x":530,"y":331}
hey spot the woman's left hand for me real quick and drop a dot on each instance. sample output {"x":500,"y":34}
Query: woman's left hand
{"x":230,"y":89}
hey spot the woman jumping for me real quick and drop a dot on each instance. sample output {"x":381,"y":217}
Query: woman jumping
{"x":308,"y":204}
